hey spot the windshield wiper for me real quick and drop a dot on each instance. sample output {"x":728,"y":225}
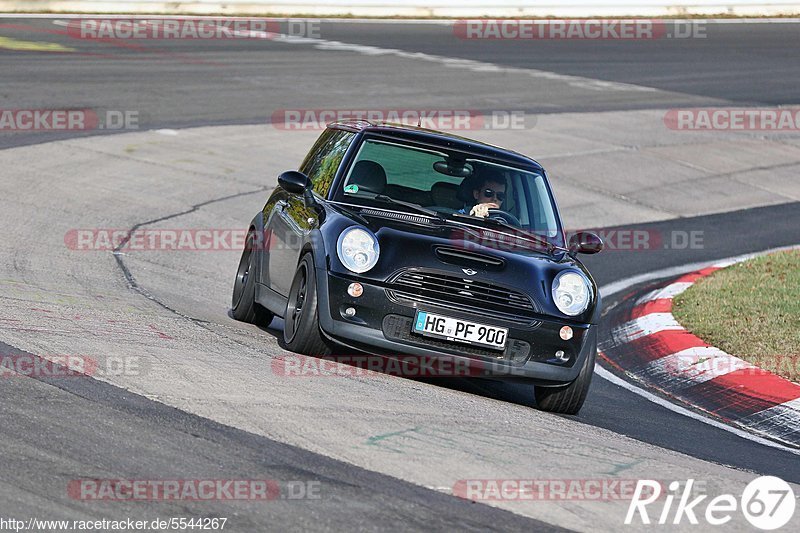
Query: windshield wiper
{"x":416,"y":207}
{"x":518,"y":232}
{"x":389,"y":200}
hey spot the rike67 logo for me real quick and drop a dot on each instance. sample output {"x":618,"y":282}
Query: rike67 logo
{"x":768,"y":503}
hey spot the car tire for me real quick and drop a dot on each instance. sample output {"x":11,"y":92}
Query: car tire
{"x":301,"y":331}
{"x":568,"y":399}
{"x":243,"y":305}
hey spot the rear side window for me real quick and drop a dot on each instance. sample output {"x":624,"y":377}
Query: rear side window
{"x":324,"y":159}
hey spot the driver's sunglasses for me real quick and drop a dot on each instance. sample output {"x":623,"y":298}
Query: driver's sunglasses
{"x":500,"y":195}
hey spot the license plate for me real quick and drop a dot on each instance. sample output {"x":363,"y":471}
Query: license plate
{"x":457,"y":330}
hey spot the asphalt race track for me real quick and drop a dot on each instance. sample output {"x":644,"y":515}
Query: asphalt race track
{"x":240,"y":81}
{"x":204,"y":402}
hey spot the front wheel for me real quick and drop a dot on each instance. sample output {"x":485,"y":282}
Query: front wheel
{"x":243,"y":304}
{"x":568,"y":399}
{"x":301,"y":331}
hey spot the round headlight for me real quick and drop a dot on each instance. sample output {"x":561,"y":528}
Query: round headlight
{"x":358,"y":249}
{"x":571,"y":293}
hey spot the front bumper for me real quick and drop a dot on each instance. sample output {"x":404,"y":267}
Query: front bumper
{"x":383,"y":321}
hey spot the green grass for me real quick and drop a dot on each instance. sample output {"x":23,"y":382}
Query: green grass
{"x":750,"y":310}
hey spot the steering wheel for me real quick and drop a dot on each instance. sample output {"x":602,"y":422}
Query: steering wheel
{"x":505,"y":216}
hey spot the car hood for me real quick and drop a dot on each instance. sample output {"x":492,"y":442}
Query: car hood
{"x":470,"y":253}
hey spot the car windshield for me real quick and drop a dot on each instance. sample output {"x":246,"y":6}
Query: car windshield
{"x":450,"y":184}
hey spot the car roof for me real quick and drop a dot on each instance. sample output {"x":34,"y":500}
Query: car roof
{"x":437,"y":138}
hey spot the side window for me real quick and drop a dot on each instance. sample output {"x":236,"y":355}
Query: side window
{"x":323,"y":160}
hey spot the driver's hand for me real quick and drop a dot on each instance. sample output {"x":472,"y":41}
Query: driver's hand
{"x":482,"y":210}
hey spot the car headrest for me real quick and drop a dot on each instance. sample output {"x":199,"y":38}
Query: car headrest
{"x":464,"y":193}
{"x":370,"y":175}
{"x":445,"y":194}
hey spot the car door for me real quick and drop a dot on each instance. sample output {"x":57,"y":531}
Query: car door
{"x":291,"y":220}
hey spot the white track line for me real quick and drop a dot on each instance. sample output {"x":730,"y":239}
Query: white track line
{"x":624,"y":284}
{"x":619,"y":286}
{"x":669,"y":292}
{"x":445,"y":61}
{"x":605,"y":374}
{"x":468,"y":64}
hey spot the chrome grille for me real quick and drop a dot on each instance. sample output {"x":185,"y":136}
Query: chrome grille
{"x":451,"y":289}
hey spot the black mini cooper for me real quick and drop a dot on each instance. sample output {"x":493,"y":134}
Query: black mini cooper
{"x":401,"y":241}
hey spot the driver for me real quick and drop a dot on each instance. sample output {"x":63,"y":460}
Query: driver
{"x":488,"y":194}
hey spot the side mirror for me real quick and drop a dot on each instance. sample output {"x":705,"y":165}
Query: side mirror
{"x":294,"y":182}
{"x":585,"y":242}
